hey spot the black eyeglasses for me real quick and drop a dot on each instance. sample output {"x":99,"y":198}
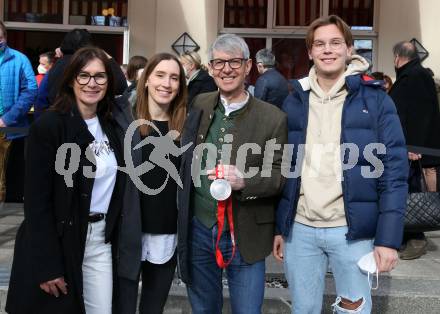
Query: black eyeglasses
{"x":219,"y":64}
{"x":83,"y":78}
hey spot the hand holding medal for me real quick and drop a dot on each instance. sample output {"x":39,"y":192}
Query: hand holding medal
{"x":220,"y":189}
{"x":230,"y":174}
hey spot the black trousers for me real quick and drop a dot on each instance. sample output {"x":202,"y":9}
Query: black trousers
{"x":156,"y":284}
{"x":15,"y":172}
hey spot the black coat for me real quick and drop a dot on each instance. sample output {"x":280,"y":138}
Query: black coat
{"x":272,"y":87}
{"x":55,"y":77}
{"x":202,"y":83}
{"x":415,"y":96}
{"x":51,"y":240}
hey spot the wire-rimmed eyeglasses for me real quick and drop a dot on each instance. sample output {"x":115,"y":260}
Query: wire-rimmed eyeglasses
{"x":334,"y":44}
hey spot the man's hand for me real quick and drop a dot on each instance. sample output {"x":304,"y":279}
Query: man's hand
{"x":414,"y":156}
{"x":2,"y":123}
{"x":58,"y":53}
{"x":52,"y":286}
{"x":386,"y":258}
{"x":232,"y":175}
{"x":278,"y":248}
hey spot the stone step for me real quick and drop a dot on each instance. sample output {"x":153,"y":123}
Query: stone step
{"x":395,"y":295}
{"x":403,"y":295}
{"x":413,"y":287}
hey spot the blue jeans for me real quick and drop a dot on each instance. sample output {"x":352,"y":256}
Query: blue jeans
{"x":307,"y":253}
{"x":245,"y":281}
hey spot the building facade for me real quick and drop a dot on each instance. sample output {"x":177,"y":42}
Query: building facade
{"x":142,"y":27}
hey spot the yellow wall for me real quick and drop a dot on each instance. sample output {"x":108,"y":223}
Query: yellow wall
{"x":142,"y":24}
{"x":406,"y":19}
{"x":155,"y":25}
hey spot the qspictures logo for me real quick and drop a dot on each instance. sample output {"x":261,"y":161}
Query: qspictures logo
{"x":319,"y":159}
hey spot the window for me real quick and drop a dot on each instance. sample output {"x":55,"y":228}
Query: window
{"x":296,"y":12}
{"x":49,"y":11}
{"x":80,"y":12}
{"x":245,"y":13}
{"x":254,"y":44}
{"x":102,"y":13}
{"x":292,"y":57}
{"x":36,"y":26}
{"x":281,"y":25}
{"x":364,"y":47}
{"x":359,"y":14}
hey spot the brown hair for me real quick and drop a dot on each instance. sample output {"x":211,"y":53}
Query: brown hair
{"x":329,"y":20}
{"x":134,"y":64}
{"x":177,"y":109}
{"x":66,"y":101}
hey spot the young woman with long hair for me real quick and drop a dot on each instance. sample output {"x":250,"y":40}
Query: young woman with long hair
{"x":161,"y":101}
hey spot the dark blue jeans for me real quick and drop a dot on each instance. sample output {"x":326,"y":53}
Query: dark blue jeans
{"x":245,"y":281}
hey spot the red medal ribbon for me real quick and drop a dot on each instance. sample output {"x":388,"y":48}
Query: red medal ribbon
{"x":223,"y":206}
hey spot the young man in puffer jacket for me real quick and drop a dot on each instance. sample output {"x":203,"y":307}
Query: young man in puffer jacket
{"x":342,"y":205}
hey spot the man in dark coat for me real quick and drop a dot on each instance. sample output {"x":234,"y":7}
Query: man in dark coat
{"x":415,"y":96}
{"x":231,"y":116}
{"x":271,"y":86}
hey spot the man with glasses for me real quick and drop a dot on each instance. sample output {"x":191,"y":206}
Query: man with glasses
{"x":229,"y":123}
{"x":347,"y":203}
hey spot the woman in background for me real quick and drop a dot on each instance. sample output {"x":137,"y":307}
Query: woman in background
{"x":198,"y":79}
{"x":134,"y":71}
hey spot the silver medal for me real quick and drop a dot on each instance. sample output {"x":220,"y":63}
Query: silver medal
{"x":220,"y":189}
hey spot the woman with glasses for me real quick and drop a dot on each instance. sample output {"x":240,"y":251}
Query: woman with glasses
{"x":161,"y":103}
{"x":198,"y":79}
{"x":73,"y":197}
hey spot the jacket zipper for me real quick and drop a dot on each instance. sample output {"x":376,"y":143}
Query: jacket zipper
{"x":341,"y":141}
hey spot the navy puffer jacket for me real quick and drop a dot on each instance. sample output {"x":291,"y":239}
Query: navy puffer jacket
{"x":374,"y":207}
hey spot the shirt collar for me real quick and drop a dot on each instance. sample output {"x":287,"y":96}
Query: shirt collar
{"x":233,"y":106}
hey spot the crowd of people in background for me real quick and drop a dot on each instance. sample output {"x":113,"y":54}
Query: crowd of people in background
{"x":87,"y":243}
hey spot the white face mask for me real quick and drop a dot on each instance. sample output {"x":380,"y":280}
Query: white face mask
{"x":367,"y":264}
{"x":41,"y":69}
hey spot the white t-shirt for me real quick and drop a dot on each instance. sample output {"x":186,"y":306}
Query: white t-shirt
{"x":158,"y":248}
{"x":106,"y":168}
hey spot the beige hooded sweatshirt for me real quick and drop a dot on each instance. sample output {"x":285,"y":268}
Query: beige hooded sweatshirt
{"x":320,"y":201}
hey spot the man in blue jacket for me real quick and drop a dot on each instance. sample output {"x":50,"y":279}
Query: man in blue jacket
{"x":347,"y":200}
{"x":18,"y":89}
{"x":271,"y":86}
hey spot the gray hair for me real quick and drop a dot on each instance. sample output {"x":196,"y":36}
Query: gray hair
{"x":229,"y":43}
{"x":405,"y":49}
{"x":266,"y":57}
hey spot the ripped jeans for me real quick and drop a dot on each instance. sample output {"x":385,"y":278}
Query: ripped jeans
{"x":307,"y":253}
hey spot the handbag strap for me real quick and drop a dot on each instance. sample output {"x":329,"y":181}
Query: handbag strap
{"x":422,"y":174}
